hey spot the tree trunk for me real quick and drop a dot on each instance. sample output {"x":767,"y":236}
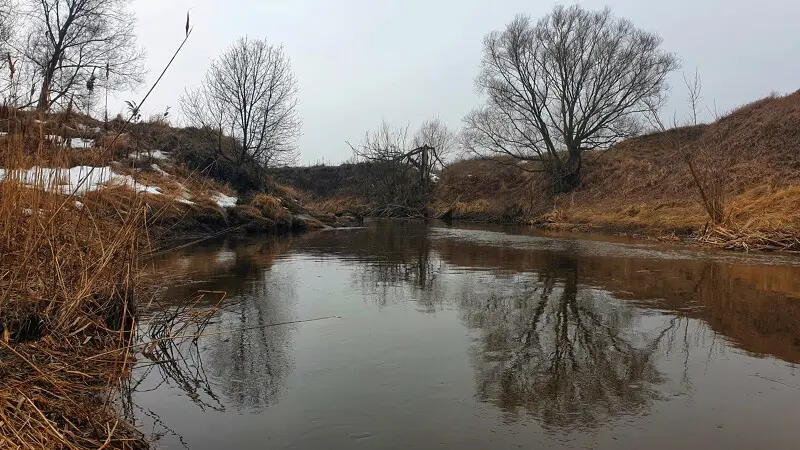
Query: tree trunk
{"x":44,"y":101}
{"x":44,"y":95}
{"x":566,"y":175}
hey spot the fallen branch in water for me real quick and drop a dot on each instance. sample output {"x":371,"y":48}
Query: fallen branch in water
{"x":747,"y":240}
{"x":235,"y":330}
{"x":269,"y":325}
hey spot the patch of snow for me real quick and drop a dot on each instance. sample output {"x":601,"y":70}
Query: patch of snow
{"x":135,"y":186}
{"x":223,"y":200}
{"x":54,"y":139}
{"x":78,"y":180}
{"x":74,"y":142}
{"x":155,"y":154}
{"x":81,"y":143}
{"x":185,"y":196}
{"x":86,"y":129}
{"x":29,"y":212}
{"x":158,"y":169}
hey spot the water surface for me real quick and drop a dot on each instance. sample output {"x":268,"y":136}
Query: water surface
{"x":472,"y":337}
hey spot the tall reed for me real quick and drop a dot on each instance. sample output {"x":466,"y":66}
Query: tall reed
{"x":70,"y":278}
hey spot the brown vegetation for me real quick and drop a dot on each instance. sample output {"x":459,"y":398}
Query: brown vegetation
{"x":72,"y":263}
{"x":747,"y":162}
{"x":69,"y":278}
{"x":644,"y":184}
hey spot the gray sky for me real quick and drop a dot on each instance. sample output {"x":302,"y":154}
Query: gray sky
{"x":358,"y":61}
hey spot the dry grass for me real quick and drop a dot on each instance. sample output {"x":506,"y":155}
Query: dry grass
{"x":748,"y":161}
{"x":269,"y":206}
{"x":69,"y":277}
{"x":341,"y":205}
{"x":767,"y":209}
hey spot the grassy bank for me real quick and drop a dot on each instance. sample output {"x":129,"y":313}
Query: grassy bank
{"x":748,"y":160}
{"x":78,"y":225}
{"x":747,"y":163}
{"x":70,"y":276}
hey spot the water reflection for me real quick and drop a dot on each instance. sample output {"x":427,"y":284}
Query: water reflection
{"x":248,"y":359}
{"x":754,"y":306}
{"x":568,"y":335}
{"x":240,"y":357}
{"x":395,"y":261}
{"x":565,"y":355}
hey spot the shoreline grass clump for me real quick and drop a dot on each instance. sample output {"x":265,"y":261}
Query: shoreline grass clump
{"x":70,"y":274}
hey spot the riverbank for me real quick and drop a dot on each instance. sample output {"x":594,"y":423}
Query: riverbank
{"x":73,"y":279}
{"x":81,"y":211}
{"x":71,"y":276}
{"x":745,"y":163}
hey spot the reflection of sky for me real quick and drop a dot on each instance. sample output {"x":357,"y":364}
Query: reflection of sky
{"x":385,"y":376}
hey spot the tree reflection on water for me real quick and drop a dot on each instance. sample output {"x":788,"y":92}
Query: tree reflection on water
{"x":563,"y":336}
{"x":239,"y":361}
{"x":563,"y":352}
{"x":566,"y":354}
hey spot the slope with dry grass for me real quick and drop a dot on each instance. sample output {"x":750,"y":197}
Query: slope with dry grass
{"x":77,"y":226}
{"x":70,"y":275}
{"x":644,"y":184}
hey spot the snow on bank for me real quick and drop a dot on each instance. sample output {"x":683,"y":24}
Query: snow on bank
{"x":78,"y":180}
{"x":60,"y":141}
{"x":158,"y":170}
{"x":87,"y":129}
{"x":224,"y":201}
{"x":185,"y":197}
{"x":73,"y":143}
{"x":155,"y":154}
{"x":81,"y":143}
{"x":82,"y":179}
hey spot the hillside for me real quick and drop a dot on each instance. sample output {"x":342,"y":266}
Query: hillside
{"x":186,"y":192}
{"x":749,"y":158}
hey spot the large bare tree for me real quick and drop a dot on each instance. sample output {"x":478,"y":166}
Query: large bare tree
{"x":7,"y":24}
{"x":576,"y":80}
{"x":250,"y":94}
{"x":71,"y":45}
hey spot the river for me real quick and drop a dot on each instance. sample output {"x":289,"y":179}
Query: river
{"x":477,"y":336}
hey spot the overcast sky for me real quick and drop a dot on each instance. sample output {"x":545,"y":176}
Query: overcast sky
{"x":358,"y":61}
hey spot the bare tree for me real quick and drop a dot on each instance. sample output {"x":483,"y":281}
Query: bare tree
{"x":70,"y":44}
{"x":392,"y":184}
{"x":574,"y":81}
{"x":404,"y":168}
{"x":435,"y":134}
{"x":709,"y":164}
{"x":7,"y":24}
{"x":250,"y":94}
{"x":693,"y":95}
